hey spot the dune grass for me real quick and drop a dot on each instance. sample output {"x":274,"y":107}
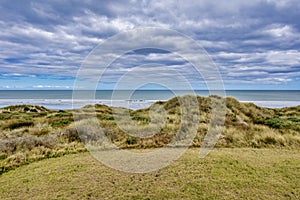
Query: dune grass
{"x":30,"y":133}
{"x":238,"y":173}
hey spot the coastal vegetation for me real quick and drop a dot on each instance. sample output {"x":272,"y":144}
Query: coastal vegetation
{"x":30,"y":133}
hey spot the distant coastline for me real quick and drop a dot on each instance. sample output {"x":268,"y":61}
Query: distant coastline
{"x":62,"y":99}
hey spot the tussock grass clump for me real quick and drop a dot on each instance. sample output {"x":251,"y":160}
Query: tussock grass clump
{"x":70,"y":134}
{"x":25,"y":108}
{"x":19,"y":124}
{"x":27,"y":142}
{"x":39,"y":130}
{"x":18,"y":151}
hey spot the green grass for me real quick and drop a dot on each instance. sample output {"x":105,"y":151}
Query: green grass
{"x":239,"y":173}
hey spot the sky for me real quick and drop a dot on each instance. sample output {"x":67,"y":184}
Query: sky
{"x":254,"y":44}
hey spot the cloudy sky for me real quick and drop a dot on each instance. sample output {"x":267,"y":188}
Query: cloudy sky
{"x":255,"y":44}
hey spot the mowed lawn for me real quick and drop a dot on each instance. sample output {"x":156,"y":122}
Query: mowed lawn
{"x":224,"y":174}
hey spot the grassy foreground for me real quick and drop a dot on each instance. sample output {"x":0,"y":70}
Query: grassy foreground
{"x":238,"y":173}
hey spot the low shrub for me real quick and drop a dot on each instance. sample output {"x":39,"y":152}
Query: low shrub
{"x":26,"y":142}
{"x":277,"y":123}
{"x":70,"y":135}
{"x":131,"y":140}
{"x":20,"y":124}
{"x":141,"y":118}
{"x":3,"y":156}
{"x":63,"y":114}
{"x":108,"y":117}
{"x":62,"y":122}
{"x":294,"y":119}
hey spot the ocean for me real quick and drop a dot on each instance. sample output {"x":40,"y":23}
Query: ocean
{"x":62,"y":99}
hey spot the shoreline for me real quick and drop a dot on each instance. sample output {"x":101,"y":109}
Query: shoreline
{"x":134,"y":104}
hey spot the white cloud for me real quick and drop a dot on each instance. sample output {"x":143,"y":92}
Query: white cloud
{"x":281,"y":4}
{"x":19,"y":75}
{"x":244,"y":37}
{"x":280,"y":30}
